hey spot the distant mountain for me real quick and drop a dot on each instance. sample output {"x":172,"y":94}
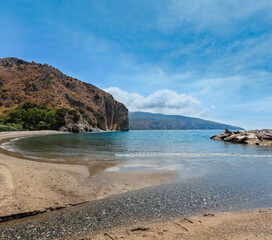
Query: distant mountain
{"x":151,"y":121}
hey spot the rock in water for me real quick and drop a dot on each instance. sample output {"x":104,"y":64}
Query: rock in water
{"x":257,"y":137}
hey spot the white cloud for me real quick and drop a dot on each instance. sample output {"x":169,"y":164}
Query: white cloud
{"x":163,"y":101}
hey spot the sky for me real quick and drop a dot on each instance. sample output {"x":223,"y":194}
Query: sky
{"x":205,"y":58}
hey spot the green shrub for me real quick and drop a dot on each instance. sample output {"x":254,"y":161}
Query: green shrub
{"x":30,"y":117}
{"x":34,"y":118}
{"x":28,"y":105}
{"x":2,"y":119}
{"x":15,"y":125}
{"x":16,"y":116}
{"x":10,"y":128}
{"x":42,"y":125}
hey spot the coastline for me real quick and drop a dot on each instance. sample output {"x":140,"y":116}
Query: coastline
{"x":33,"y":186}
{"x":28,"y":186}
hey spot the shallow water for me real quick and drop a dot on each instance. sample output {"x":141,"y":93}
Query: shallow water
{"x":189,"y":153}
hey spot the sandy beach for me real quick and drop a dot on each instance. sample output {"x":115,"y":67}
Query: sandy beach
{"x":28,"y":186}
{"x":242,"y":225}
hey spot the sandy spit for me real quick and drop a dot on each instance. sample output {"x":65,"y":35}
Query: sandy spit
{"x":27,"y":186}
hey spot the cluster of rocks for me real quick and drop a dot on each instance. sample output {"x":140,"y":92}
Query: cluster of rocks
{"x":75,"y":128}
{"x":79,"y":128}
{"x":257,"y":137}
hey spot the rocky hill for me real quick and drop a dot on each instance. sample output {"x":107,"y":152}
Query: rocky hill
{"x":146,"y":121}
{"x":48,"y":88}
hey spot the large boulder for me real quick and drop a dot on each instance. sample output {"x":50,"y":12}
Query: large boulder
{"x":265,"y":135}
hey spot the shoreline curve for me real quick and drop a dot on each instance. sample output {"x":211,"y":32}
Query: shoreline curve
{"x":29,"y":185}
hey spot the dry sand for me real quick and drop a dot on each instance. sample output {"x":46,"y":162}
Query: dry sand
{"x":242,"y":225}
{"x":27,"y":186}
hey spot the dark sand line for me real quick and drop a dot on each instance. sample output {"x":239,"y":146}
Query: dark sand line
{"x":166,"y":202}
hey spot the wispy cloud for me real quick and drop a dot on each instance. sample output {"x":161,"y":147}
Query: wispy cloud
{"x":216,"y":16}
{"x":163,"y":101}
{"x":259,"y":106}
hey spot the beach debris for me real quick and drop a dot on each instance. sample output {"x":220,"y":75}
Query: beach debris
{"x":208,"y":215}
{"x":107,"y":235}
{"x":139,"y":229}
{"x":188,"y":220}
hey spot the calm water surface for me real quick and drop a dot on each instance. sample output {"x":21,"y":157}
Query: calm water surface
{"x":189,"y":153}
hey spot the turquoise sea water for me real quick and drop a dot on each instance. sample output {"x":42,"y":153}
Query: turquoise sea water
{"x":189,"y":153}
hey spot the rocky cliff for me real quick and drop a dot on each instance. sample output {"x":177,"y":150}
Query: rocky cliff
{"x":256,"y":137}
{"x":48,"y":88}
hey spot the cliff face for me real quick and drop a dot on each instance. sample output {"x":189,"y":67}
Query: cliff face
{"x":22,"y":81}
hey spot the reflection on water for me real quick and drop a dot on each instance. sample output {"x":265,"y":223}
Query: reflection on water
{"x":190,"y":153}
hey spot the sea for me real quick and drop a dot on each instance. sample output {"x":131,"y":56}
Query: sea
{"x":190,"y":153}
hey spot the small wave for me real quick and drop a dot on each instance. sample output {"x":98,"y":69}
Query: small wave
{"x":155,"y":154}
{"x":130,"y":166}
{"x":172,"y":167}
{"x":183,"y":171}
{"x":9,"y":145}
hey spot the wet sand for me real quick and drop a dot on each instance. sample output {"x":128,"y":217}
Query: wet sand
{"x":29,"y":186}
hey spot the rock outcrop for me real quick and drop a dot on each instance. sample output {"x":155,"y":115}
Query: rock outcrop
{"x":48,"y":88}
{"x":257,"y":137}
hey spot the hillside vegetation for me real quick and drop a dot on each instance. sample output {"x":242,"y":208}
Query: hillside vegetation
{"x":30,"y":117}
{"x":38,"y":96}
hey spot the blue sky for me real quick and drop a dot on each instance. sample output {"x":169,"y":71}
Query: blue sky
{"x":204,"y":58}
